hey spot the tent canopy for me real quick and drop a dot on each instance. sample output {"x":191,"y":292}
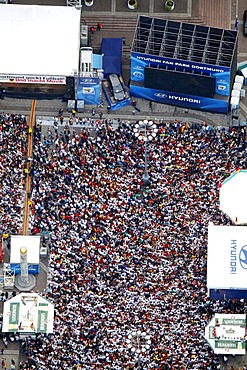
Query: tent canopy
{"x":233,"y":200}
{"x":39,"y":40}
{"x":112,"y":49}
{"x":112,"y":46}
{"x":28,"y":313}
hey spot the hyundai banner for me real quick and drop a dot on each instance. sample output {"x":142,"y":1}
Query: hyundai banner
{"x":180,"y":100}
{"x":140,"y":61}
{"x":88,"y":89}
{"x":227,"y":257}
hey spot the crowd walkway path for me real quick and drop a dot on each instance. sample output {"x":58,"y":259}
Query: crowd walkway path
{"x":27,"y":168}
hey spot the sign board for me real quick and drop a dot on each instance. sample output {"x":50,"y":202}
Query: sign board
{"x":25,"y":79}
{"x":180,"y":100}
{"x":221,"y":73}
{"x":226,"y":334}
{"x":227,"y":257}
{"x":88,"y":90}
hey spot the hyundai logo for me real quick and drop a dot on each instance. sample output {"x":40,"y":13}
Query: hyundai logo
{"x":138,"y":67}
{"x":87,"y":80}
{"x":138,"y":74}
{"x":243,"y":257}
{"x":160,"y":95}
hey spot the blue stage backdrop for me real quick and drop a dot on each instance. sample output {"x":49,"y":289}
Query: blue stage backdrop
{"x":220,"y":73}
{"x":180,"y":100}
{"x":182,"y":64}
{"x":88,"y":89}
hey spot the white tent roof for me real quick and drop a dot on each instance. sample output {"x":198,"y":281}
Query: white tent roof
{"x":233,"y":200}
{"x":39,"y":40}
{"x":28,"y":313}
{"x":32,"y":243}
{"x":230,"y":333}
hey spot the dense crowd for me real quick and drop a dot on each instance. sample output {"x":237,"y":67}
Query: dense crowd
{"x":126,"y":258}
{"x":13,"y":146}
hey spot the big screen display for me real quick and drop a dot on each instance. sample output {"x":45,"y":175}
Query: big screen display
{"x":141,"y":61}
{"x":179,"y":82}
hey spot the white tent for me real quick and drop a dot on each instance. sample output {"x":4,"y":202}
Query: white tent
{"x":226,"y":333}
{"x":28,"y":313}
{"x":227,"y":257}
{"x":39,"y":40}
{"x":32,"y":243}
{"x":233,"y":200}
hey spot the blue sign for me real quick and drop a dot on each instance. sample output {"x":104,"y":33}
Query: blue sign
{"x":88,"y":89}
{"x":222,"y":83}
{"x":181,"y":100}
{"x":32,"y":269}
{"x":140,"y":61}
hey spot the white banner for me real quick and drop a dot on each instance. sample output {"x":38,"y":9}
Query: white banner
{"x":53,"y":80}
{"x":227,"y":257}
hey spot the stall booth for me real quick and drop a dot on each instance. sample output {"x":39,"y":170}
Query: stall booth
{"x":41,"y":51}
{"x":32,"y":244}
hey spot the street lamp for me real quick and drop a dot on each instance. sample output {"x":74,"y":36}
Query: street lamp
{"x":144,"y":131}
{"x":138,"y":342}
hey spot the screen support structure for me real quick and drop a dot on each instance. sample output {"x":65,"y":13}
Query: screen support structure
{"x":75,"y":3}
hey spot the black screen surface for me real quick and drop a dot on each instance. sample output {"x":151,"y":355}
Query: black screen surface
{"x":180,"y":82}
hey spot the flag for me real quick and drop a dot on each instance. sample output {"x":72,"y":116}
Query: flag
{"x":236,"y":24}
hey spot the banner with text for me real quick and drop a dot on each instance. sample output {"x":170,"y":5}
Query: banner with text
{"x":180,"y":100}
{"x":140,"y":61}
{"x":227,"y":257}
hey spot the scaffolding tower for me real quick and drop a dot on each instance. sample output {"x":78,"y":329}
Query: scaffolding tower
{"x":185,"y":41}
{"x":75,"y":3}
{"x":8,"y":277}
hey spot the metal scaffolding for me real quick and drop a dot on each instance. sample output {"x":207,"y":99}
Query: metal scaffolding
{"x":75,"y":3}
{"x":8,"y":277}
{"x":184,"y":41}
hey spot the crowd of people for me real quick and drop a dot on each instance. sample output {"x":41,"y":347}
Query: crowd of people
{"x":13,"y":146}
{"x":127,"y":258}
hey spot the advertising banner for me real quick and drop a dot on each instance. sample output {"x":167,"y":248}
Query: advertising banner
{"x":88,"y":89}
{"x":51,"y":80}
{"x":42,"y":321}
{"x":227,"y":257}
{"x":14,"y":314}
{"x":181,"y":100}
{"x":221,"y":74}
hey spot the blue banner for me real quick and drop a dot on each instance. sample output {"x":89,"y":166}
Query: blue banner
{"x":32,"y":269}
{"x":180,"y":100}
{"x":88,"y":89}
{"x":140,"y":61}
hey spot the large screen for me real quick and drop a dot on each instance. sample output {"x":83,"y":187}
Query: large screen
{"x":179,"y":82}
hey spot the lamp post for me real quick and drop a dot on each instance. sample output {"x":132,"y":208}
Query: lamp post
{"x":144,"y":131}
{"x":138,"y":342}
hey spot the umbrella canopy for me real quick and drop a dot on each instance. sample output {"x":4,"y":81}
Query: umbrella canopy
{"x":233,"y":199}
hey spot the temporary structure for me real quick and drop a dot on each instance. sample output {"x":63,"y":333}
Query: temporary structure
{"x":233,"y":200}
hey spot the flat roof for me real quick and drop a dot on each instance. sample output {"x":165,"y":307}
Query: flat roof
{"x":31,"y":242}
{"x":39,"y":40}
